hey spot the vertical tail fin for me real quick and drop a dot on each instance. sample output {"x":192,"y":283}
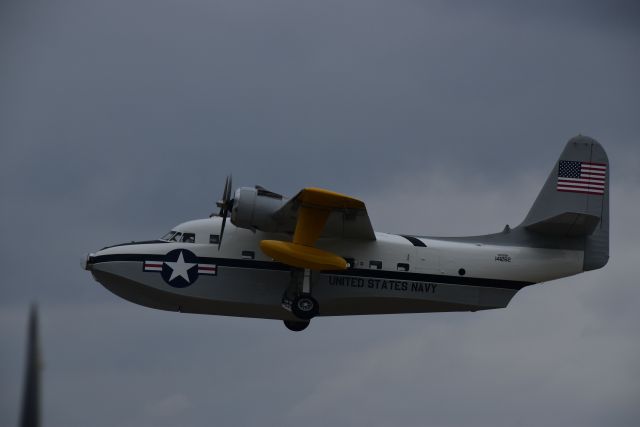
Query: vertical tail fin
{"x":574,"y":201}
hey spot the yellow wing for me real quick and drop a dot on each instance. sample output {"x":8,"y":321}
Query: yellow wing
{"x":347,"y":218}
{"x":318,"y":212}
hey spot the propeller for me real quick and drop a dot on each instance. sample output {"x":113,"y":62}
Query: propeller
{"x":225,"y":204}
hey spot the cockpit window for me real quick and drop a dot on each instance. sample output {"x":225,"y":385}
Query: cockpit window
{"x":188,"y":238}
{"x":175,"y":236}
{"x":168,"y":236}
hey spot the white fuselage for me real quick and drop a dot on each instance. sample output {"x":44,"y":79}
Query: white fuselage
{"x":392,"y":274}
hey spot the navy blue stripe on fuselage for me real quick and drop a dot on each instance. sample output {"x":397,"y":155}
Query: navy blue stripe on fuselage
{"x":359,"y":272}
{"x":223,"y":262}
{"x":436,"y":278}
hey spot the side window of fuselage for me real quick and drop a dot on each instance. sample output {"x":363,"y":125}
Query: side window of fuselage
{"x":375,"y":265}
{"x":403,"y":266}
{"x":188,"y":238}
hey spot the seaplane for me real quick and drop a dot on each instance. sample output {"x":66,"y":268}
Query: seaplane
{"x":316,"y":254}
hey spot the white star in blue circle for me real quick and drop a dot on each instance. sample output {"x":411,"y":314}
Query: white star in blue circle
{"x":180,"y":268}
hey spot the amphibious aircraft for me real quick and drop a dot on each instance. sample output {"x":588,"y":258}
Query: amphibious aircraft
{"x":316,"y":254}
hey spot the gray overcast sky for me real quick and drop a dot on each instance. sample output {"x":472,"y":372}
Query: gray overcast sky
{"x":120,"y":119}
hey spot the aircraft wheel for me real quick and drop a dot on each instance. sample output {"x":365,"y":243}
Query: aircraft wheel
{"x":296,"y":326}
{"x":305,"y":307}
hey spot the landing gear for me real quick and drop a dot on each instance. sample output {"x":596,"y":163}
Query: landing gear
{"x":305,"y":307}
{"x":296,"y":326}
{"x":297,"y":298}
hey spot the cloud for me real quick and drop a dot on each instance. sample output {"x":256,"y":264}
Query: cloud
{"x":171,"y":406}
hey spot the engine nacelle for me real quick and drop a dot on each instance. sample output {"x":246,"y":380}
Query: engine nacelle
{"x":253,"y":208}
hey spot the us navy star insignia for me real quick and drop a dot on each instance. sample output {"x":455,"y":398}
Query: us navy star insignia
{"x":180,"y":268}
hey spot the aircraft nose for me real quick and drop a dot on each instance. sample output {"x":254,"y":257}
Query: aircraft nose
{"x":86,"y":262}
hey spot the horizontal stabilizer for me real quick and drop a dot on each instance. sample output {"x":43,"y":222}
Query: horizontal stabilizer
{"x":568,"y":224}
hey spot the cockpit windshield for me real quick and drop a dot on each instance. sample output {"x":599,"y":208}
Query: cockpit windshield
{"x":168,"y":236}
{"x":176,"y":236}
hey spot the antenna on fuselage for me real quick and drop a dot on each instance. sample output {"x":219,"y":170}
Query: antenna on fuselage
{"x":30,"y":415}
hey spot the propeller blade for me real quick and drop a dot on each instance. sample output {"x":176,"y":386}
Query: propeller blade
{"x":221,"y":203}
{"x":224,"y":221}
{"x":225,"y":206}
{"x":224,"y":201}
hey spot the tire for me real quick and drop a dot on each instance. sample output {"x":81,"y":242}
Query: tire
{"x":296,"y":326}
{"x":305,"y":307}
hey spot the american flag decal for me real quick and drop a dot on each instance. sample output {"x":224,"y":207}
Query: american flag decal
{"x":581,"y":177}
